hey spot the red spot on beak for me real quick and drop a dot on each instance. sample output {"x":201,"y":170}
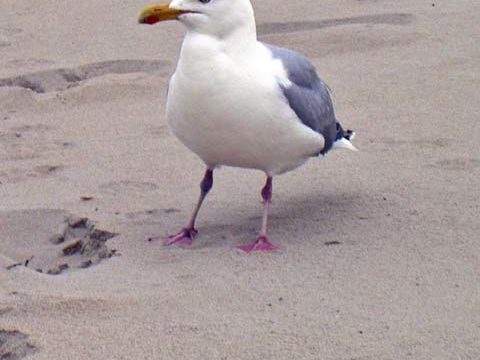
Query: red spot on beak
{"x":152,"y":19}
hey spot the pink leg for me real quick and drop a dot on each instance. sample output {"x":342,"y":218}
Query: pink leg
{"x":185,"y":236}
{"x":262,"y":243}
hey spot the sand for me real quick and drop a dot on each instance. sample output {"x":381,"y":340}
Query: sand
{"x":380,"y":249}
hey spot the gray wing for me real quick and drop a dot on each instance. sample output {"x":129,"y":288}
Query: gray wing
{"x":308,"y":96}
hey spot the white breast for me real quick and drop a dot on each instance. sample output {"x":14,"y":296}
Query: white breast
{"x":228,"y":109}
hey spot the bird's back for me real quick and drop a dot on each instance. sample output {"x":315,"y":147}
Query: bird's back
{"x":309,"y":96}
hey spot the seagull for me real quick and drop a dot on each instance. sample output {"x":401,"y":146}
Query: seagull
{"x":235,"y":101}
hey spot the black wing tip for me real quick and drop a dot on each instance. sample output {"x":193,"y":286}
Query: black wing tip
{"x":348,"y":134}
{"x":341,"y":133}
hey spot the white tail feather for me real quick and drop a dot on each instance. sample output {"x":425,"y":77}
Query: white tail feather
{"x":343,"y":143}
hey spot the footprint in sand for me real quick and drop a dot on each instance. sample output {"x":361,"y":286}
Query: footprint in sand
{"x":31,"y":128}
{"x":28,"y":63}
{"x":27,"y":142}
{"x":158,"y":130}
{"x":14,"y":175}
{"x":14,"y":345}
{"x":458,"y":164}
{"x":51,"y":241}
{"x":61,"y":79}
{"x":126,"y":186}
{"x":4,"y":31}
{"x":346,"y":40}
{"x":150,"y":216}
{"x":82,"y":243}
{"x":46,"y":170}
{"x":5,"y":311}
{"x":301,"y":26}
{"x":6,"y":34}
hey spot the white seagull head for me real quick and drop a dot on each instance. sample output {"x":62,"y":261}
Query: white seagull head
{"x":218,"y":18}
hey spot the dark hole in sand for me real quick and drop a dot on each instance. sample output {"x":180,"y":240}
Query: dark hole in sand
{"x":332,"y":243}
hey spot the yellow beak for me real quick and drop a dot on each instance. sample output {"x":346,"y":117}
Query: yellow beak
{"x":158,"y":12}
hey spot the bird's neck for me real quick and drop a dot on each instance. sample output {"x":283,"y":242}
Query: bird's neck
{"x":236,"y":38}
{"x":236,"y":42}
{"x":240,"y":39}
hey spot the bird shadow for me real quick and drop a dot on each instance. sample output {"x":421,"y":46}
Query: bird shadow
{"x":296,"y":217}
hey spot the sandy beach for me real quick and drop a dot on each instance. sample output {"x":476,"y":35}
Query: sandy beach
{"x":379,"y":250}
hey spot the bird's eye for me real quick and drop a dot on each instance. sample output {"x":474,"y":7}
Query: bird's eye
{"x":204,"y":1}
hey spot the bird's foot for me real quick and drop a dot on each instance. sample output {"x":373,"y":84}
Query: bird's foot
{"x":261,"y":244}
{"x":183,"y":238}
